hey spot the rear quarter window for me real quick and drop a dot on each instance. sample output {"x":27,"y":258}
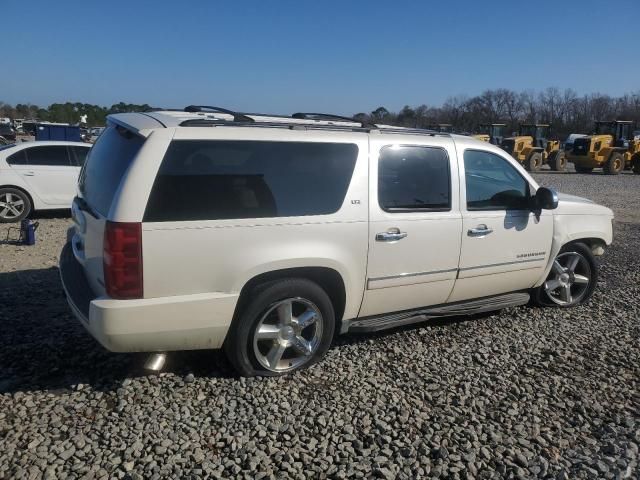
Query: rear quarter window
{"x":216,"y":180}
{"x":18,"y":158}
{"x":105,"y":166}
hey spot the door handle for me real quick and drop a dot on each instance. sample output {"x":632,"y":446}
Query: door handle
{"x":391,"y":235}
{"x":29,"y":174}
{"x":479,"y":231}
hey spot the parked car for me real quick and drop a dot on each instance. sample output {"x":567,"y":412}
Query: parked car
{"x":265,"y":235}
{"x":38,"y":176}
{"x":7,"y":132}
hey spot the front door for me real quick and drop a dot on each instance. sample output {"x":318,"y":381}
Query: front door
{"x":505,"y":245}
{"x":415,"y":224}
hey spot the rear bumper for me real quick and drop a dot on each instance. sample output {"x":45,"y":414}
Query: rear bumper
{"x":185,"y":322}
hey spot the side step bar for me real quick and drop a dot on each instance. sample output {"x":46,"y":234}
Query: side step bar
{"x":374,"y":324}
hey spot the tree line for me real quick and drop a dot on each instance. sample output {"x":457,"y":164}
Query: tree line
{"x":69,"y":112}
{"x":567,"y":111}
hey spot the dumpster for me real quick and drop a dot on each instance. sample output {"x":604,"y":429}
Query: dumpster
{"x":58,"y":131}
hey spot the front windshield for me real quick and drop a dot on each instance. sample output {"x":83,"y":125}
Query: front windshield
{"x":605,"y":128}
{"x":528,"y":130}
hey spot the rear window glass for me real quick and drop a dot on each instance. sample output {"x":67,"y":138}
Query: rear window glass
{"x":105,"y":166}
{"x":214,"y":180}
{"x":413,"y":178}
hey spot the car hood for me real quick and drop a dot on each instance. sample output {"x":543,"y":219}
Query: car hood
{"x":574,"y":205}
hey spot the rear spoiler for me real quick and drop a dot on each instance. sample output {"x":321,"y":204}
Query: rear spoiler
{"x":139,"y":123}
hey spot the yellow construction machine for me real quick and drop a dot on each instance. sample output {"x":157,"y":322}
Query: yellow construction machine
{"x":533,"y":148}
{"x":491,"y":132}
{"x":612,"y":147}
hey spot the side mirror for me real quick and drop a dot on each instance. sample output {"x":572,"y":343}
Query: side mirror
{"x":545,"y":199}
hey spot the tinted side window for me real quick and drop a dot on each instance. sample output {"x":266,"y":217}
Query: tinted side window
{"x":79,"y":155}
{"x":413,"y":178}
{"x":50,"y":156}
{"x":18,"y":158}
{"x":493,"y":183}
{"x":213,"y":180}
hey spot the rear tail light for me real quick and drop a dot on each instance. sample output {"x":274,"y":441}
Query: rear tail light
{"x":123,"y":260}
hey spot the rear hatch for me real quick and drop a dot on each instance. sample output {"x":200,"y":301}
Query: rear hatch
{"x":100,"y":178}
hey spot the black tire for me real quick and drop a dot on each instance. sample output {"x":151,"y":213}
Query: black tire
{"x":534,"y":162}
{"x":13,"y":200}
{"x":580,"y":169}
{"x":558,"y":161}
{"x":615,"y":164}
{"x":241,"y":342}
{"x":541,"y":298}
{"x":635,"y":164}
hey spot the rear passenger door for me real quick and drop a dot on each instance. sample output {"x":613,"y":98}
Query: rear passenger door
{"x":50,"y":173}
{"x":415,"y":224}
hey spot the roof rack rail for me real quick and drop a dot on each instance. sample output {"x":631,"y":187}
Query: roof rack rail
{"x":237,"y":117}
{"x":330,"y":116}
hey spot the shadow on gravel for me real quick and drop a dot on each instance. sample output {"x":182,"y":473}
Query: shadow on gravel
{"x":43,"y":346}
{"x":40,"y":214}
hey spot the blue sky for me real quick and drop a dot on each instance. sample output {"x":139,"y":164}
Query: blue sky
{"x":334,"y":56}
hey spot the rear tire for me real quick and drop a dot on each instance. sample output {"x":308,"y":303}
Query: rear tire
{"x":615,"y":164}
{"x":534,"y":162}
{"x":288,"y":325}
{"x":565,"y":286}
{"x":558,"y":161}
{"x":584,"y":169}
{"x":635,"y":164}
{"x":15,"y":205}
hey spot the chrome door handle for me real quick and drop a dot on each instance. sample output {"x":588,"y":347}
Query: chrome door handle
{"x":390,"y":235}
{"x":479,"y":231}
{"x":29,"y":174}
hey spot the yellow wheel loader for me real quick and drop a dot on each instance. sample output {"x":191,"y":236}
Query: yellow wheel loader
{"x":532,"y":148}
{"x":612,"y":147}
{"x":491,"y":132}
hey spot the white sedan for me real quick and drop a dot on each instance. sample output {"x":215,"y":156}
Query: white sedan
{"x":38,"y":176}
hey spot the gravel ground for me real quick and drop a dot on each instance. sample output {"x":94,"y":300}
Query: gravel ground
{"x":523,"y":393}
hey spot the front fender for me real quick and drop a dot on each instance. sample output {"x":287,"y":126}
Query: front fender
{"x":571,"y":228}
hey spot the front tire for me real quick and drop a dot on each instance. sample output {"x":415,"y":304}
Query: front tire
{"x":571,"y":281}
{"x":287,"y":326}
{"x":615,"y":164}
{"x":14,"y":205}
{"x":534,"y":162}
{"x":558,"y":161}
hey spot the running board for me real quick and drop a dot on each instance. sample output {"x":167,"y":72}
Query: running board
{"x":374,"y":324}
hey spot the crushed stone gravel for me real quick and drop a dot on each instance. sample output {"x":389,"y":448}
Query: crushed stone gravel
{"x":522,"y":393}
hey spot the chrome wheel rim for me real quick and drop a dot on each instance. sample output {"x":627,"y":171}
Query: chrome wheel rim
{"x":569,"y":279}
{"x":11,"y":205}
{"x":288,"y":334}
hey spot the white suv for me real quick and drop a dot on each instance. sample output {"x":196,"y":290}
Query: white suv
{"x":266,"y":235}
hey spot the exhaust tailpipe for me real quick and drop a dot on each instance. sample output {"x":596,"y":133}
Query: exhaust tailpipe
{"x":155,"y":362}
